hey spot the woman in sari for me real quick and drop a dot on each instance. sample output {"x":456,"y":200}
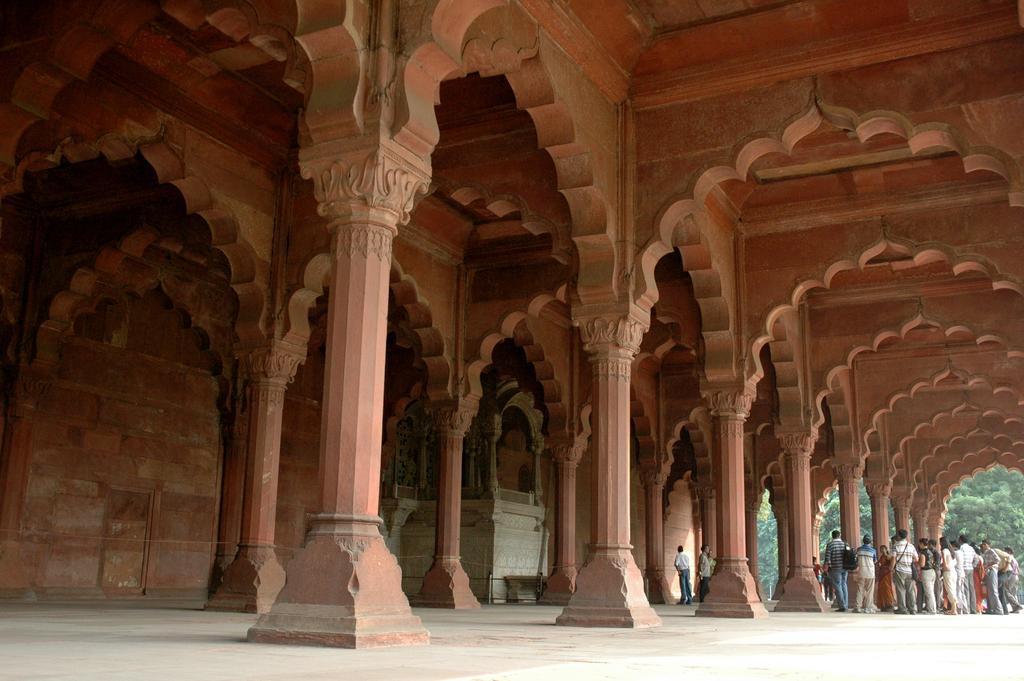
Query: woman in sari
{"x":885,"y":593}
{"x":979,"y":586}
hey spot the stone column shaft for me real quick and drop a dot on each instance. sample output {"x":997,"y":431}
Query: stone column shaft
{"x":733,"y":592}
{"x":446,"y":584}
{"x":879,"y":495}
{"x":848,"y":476}
{"x":654,"y":529}
{"x":800,"y":592}
{"x":920,"y":517}
{"x":610,"y":589}
{"x":708,"y":518}
{"x":901,"y":513}
{"x":254,"y":578}
{"x":29,"y":390}
{"x":562,"y":582}
{"x":344,"y":587}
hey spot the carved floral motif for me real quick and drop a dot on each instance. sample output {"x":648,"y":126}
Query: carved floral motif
{"x":272,"y":364}
{"x":364,"y":240}
{"x":802,"y":442}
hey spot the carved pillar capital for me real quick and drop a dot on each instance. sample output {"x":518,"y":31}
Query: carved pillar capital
{"x":653,"y":477}
{"x":454,"y":417}
{"x":847,"y":471}
{"x":878,"y":488}
{"x":274,"y":364}
{"x":380,"y":180}
{"x":612,"y":339}
{"x":567,"y":455}
{"x":704,"y":491}
{"x":29,"y":390}
{"x":799,"y":443}
{"x":731,"y":402}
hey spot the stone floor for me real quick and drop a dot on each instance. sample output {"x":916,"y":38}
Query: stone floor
{"x":507,"y":643}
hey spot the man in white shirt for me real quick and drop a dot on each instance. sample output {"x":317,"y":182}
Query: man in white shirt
{"x":969,"y":559}
{"x":903,"y":575}
{"x":683,"y":568}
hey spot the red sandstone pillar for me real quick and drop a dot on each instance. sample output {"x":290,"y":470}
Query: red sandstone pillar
{"x":816,"y":535}
{"x":29,"y":390}
{"x":753,"y":505}
{"x":800,"y":592}
{"x":732,"y":589}
{"x":934,"y":528}
{"x":446,"y":584}
{"x":901,"y":512}
{"x":920,"y":524}
{"x":879,"y":492}
{"x":610,"y":588}
{"x":255,"y":577}
{"x":848,"y":476}
{"x":344,"y":587}
{"x":562,"y":582}
{"x":654,"y":529}
{"x":708,"y":517}
{"x":229,"y":528}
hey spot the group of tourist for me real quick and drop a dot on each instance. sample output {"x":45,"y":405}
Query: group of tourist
{"x":955,"y":577}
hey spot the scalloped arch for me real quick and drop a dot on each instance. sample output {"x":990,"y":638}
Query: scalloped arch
{"x":514,"y":326}
{"x":446,"y":54}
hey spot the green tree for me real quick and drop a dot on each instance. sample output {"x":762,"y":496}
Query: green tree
{"x":767,"y":548}
{"x":989,"y":505}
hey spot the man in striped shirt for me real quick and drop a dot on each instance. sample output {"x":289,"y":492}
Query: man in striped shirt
{"x":834,"y":557}
{"x":903,"y":575}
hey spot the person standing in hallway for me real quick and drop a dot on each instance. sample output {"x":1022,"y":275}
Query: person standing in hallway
{"x":864,"y":577}
{"x":928,"y":565}
{"x":990,"y":559}
{"x":704,"y":566}
{"x":906,"y":590}
{"x":834,"y":551}
{"x":968,"y":560}
{"x":1012,"y":587}
{"x":949,"y":575}
{"x":885,"y":594}
{"x":683,"y":568}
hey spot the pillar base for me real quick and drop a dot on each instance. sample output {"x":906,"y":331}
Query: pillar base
{"x":14,"y":582}
{"x":344,"y":589}
{"x":560,"y":586}
{"x":609,"y":593}
{"x":801,"y":593}
{"x":251,"y":582}
{"x":732,"y":592}
{"x":658,"y":590}
{"x":446,"y":585}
